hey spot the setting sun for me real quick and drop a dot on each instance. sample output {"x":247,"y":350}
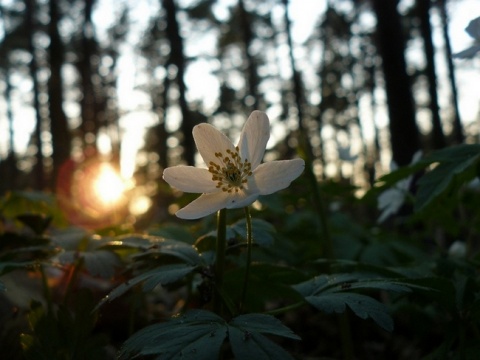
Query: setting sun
{"x":108,"y":185}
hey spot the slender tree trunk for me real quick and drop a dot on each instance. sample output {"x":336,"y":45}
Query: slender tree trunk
{"x":88,"y":101}
{"x":61,"y":138}
{"x":38,"y":170}
{"x":251,"y":70}
{"x":438,"y":138}
{"x":458,"y":136}
{"x":404,"y":134}
{"x":8,"y":181}
{"x":161,"y":130}
{"x":177,"y":58}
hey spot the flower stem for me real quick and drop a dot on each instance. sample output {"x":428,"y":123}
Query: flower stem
{"x":248,"y":218}
{"x":220,"y":260}
{"x":46,"y":289}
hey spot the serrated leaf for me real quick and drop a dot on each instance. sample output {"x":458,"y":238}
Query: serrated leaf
{"x":363,"y":306}
{"x":245,"y":335}
{"x":157,"y":245}
{"x":346,"y":282}
{"x":173,"y":231}
{"x":162,"y":275}
{"x":263,"y":323}
{"x":253,"y":345}
{"x":321,"y":283}
{"x":198,"y":334}
{"x":38,"y":223}
{"x":435,"y":182}
{"x":456,"y":163}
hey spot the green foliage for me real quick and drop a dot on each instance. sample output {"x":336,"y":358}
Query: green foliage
{"x":279,"y":279}
{"x":64,"y":333}
{"x":199,"y":334}
{"x":162,"y":275}
{"x":454,"y":167}
{"x":403,"y":275}
{"x":334,"y":293}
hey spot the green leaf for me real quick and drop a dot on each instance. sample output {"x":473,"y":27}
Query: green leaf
{"x":263,"y":232}
{"x":173,"y":231}
{"x":152,"y":245}
{"x":457,"y":165}
{"x":162,"y":275}
{"x":363,"y":306}
{"x":245,"y":335}
{"x":100,"y":263}
{"x":38,"y":223}
{"x":262,"y":323}
{"x":198,"y":334}
{"x":248,"y":345}
{"x":331,"y":293}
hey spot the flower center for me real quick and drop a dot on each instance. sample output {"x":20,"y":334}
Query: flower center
{"x":230,"y":173}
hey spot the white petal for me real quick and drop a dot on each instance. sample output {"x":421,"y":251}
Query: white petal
{"x":189,"y":179}
{"x":241,"y":199}
{"x":209,"y":141}
{"x":204,"y":205}
{"x":276,"y":175}
{"x":254,"y":138}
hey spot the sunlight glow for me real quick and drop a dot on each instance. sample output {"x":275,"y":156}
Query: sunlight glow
{"x":108,"y":185}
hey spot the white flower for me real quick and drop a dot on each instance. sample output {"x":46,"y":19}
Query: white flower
{"x":391,"y":200}
{"x":458,"y":249}
{"x":235,"y":176}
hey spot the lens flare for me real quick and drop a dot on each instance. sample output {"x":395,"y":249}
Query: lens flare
{"x":109,"y":186}
{"x":92,"y":194}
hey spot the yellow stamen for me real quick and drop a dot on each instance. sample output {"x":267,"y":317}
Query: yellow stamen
{"x":231,"y":172}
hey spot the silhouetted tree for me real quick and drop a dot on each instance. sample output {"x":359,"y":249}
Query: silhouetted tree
{"x":61,"y":137}
{"x":457,"y":132}
{"x":176,"y":58}
{"x":423,"y":9}
{"x":404,"y":134}
{"x":38,"y":170}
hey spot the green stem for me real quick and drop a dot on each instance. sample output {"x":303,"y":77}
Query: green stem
{"x":72,"y":279}
{"x":220,"y":260}
{"x":46,"y":289}
{"x":286,"y":308}
{"x":248,"y":218}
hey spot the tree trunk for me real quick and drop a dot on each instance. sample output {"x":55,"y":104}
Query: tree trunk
{"x":458,"y":136}
{"x":438,"y":138}
{"x":88,"y":101}
{"x":404,"y":134}
{"x":38,"y":170}
{"x":177,"y":58}
{"x":61,"y":138}
{"x":253,"y":81}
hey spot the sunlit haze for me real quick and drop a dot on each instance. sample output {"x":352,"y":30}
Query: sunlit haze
{"x":136,"y":116}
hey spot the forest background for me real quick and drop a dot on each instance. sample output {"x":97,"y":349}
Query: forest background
{"x":97,"y":98}
{"x":370,"y":81}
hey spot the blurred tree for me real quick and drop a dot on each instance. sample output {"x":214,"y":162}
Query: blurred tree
{"x":438,"y":140}
{"x":61,"y":137}
{"x":457,"y":132}
{"x":157,"y":86}
{"x":87,"y":64}
{"x":250,"y":63}
{"x":245,"y":40}
{"x":404,"y":134}
{"x":176,"y":64}
{"x":38,"y":170}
